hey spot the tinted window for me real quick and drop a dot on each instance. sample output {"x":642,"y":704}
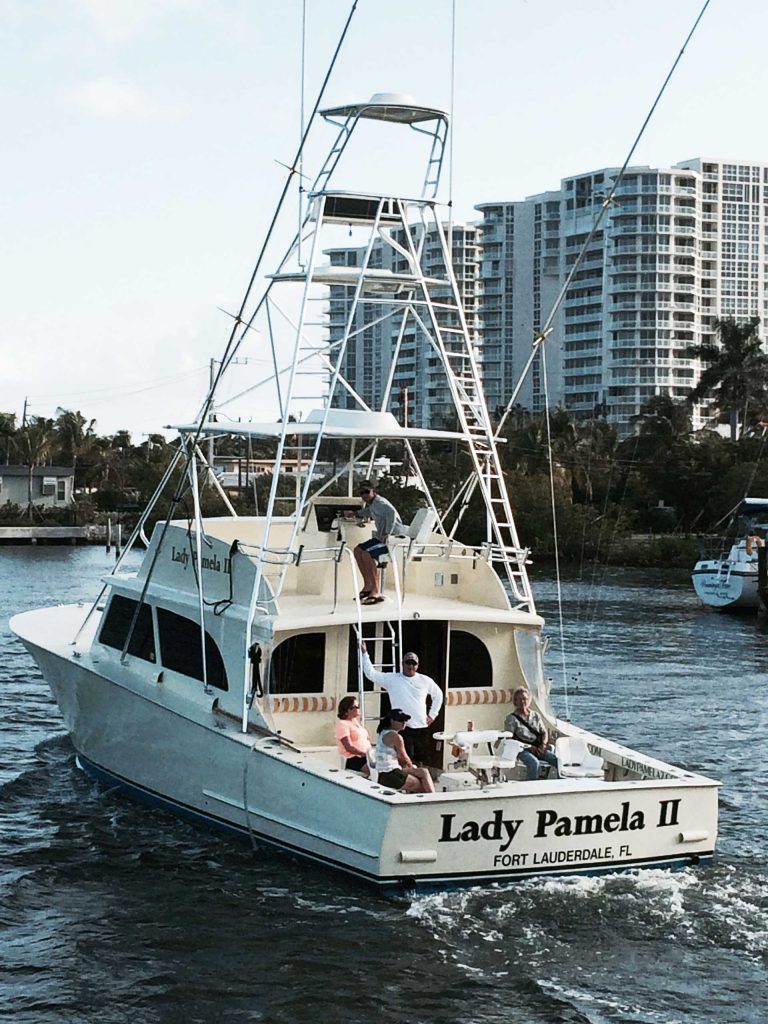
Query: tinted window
{"x":298,"y":664}
{"x":117,"y":623}
{"x":470,"y":663}
{"x":180,"y":649}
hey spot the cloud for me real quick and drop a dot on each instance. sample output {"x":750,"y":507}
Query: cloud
{"x":113,"y":100}
{"x":123,"y":19}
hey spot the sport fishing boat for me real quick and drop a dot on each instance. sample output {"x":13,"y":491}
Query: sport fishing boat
{"x":208,"y":681}
{"x":729,"y":582}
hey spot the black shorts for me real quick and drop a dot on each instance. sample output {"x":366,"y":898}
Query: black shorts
{"x":394,"y":779}
{"x":356,"y":764}
{"x":375,"y":548}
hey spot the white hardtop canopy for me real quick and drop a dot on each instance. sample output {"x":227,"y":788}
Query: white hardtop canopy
{"x":751,"y":508}
{"x":388,"y":106}
{"x":349,"y":423}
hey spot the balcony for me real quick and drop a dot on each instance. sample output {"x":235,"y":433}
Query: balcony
{"x":581,"y":389}
{"x":584,"y":318}
{"x":594,"y":335}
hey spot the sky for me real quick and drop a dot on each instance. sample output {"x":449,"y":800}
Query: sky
{"x":145,"y":144}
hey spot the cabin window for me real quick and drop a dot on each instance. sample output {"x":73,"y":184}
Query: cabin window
{"x":117,"y":623}
{"x":298,"y":664}
{"x":470,"y":662}
{"x":180,"y":649}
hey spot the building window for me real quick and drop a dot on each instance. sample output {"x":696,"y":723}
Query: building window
{"x":470,"y":663}
{"x":298,"y":664}
{"x":61,"y":490}
{"x":180,"y":649}
{"x":117,"y":623}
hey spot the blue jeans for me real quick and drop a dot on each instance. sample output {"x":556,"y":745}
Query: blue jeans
{"x":533,"y":763}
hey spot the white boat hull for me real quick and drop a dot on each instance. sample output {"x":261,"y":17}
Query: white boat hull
{"x":727,"y":585}
{"x":192,"y":760}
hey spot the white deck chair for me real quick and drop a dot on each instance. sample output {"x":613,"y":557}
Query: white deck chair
{"x":421,"y":525}
{"x":416,"y":532}
{"x":574,"y":761}
{"x":370,"y":757}
{"x":507,"y":754}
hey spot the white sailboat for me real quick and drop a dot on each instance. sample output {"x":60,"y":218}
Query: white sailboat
{"x":207,"y":682}
{"x":729,"y":582}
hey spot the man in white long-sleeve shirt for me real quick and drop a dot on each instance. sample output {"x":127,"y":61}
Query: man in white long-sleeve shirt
{"x":409,"y":690}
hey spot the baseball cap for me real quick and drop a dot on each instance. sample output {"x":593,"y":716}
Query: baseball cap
{"x":397,"y":715}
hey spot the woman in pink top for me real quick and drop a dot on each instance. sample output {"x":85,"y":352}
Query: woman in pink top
{"x":352,"y":737}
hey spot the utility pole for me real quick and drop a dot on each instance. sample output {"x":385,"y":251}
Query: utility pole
{"x":24,"y":414}
{"x":210,"y":415}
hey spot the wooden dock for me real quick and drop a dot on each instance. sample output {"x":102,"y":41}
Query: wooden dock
{"x":53,"y":534}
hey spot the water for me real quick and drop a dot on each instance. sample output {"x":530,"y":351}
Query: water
{"x":110,"y":912}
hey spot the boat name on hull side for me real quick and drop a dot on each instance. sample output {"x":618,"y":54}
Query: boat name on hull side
{"x":212,"y":562}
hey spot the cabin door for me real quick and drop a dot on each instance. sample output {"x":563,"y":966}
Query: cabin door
{"x":429,"y":640}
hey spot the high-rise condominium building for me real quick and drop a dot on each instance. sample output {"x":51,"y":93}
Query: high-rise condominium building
{"x":680,"y":247}
{"x":419,"y":394}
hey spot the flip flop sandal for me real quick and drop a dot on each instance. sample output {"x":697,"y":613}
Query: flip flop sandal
{"x":372,"y":600}
{"x":364,"y":593}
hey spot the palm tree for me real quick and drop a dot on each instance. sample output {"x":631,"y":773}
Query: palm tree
{"x":664,"y":422}
{"x":7,"y":433}
{"x":736,"y":373}
{"x":35,"y":441}
{"x":76,"y":435}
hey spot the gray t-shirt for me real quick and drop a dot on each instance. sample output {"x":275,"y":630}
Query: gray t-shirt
{"x":529,"y":733}
{"x":384,"y":516}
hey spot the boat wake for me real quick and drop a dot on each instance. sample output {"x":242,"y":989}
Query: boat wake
{"x":592,"y":943}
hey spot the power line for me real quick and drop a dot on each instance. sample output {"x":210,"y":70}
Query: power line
{"x":127,"y":389}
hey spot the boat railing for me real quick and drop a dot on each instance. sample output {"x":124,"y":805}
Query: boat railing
{"x":453,"y":549}
{"x":323,"y":554}
{"x":268,"y":555}
{"x":293,"y":556}
{"x":491,"y":554}
{"x":446,"y":549}
{"x":714,"y":548}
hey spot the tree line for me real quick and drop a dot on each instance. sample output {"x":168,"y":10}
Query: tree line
{"x":666,"y":479}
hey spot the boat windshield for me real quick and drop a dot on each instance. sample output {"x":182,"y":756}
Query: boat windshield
{"x":530,"y":655}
